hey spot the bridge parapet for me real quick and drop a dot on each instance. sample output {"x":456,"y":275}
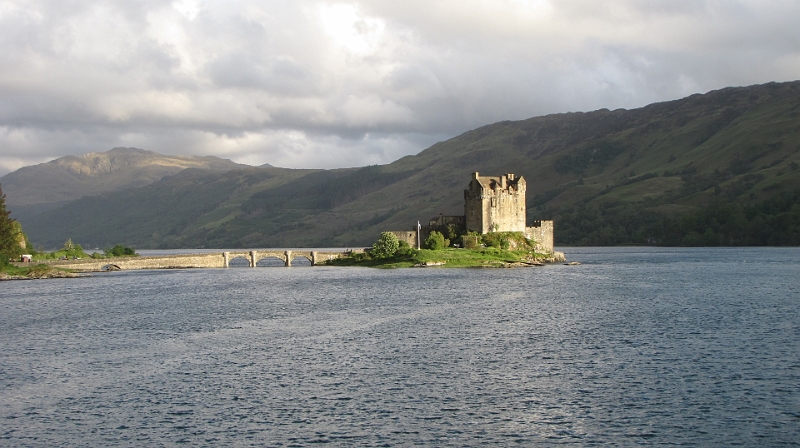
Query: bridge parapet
{"x":210,"y":260}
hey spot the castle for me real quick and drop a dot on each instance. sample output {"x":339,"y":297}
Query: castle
{"x":491,"y":204}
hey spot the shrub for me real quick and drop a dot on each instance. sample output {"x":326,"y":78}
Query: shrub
{"x":496,"y":240}
{"x":472,"y":240}
{"x":507,"y":240}
{"x":360,"y":256}
{"x":386,"y":246}
{"x":404,"y":250}
{"x":120,"y":251}
{"x":69,"y":250}
{"x":436,"y":241}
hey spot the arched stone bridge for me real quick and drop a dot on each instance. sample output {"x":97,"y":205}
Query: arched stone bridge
{"x":253,"y":256}
{"x":206,"y":260}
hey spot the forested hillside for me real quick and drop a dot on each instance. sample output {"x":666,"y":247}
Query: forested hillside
{"x":713,"y":169}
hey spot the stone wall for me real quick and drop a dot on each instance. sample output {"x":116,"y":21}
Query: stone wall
{"x":445,"y":221}
{"x":409,"y":236}
{"x":213,"y":260}
{"x":542,"y":233}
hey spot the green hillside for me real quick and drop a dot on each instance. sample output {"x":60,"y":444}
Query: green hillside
{"x":718,"y":168}
{"x":33,"y":189}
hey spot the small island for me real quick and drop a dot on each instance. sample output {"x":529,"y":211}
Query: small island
{"x":491,"y":233}
{"x":499,"y":249}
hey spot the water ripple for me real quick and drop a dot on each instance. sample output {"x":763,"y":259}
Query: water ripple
{"x":634,"y":347}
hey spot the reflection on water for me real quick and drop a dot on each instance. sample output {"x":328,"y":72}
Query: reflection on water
{"x":635,"y":346}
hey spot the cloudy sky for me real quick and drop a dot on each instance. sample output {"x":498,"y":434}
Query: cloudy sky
{"x":310,"y":83}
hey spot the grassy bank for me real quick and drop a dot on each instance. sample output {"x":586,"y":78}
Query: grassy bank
{"x":36,"y":271}
{"x":450,"y":257}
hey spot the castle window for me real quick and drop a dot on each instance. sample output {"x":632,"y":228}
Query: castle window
{"x":494,"y":202}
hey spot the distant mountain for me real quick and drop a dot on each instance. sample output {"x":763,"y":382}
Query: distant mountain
{"x":52,"y":184}
{"x":714,"y":169}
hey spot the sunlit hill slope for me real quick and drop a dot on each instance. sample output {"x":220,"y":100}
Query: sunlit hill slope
{"x":714,"y":169}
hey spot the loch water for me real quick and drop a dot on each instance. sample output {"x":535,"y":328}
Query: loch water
{"x":636,"y":346}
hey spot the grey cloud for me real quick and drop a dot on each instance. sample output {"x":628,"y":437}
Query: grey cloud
{"x":325,"y":84}
{"x":279,"y":75}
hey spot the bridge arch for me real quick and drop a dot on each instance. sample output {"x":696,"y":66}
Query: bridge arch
{"x":239,"y":261}
{"x":308,"y":258}
{"x":270,"y":261}
{"x":302,"y":260}
{"x":267,"y":258}
{"x":233,"y":259}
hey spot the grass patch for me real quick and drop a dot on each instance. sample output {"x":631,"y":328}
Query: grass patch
{"x":450,"y":257}
{"x":35,"y":271}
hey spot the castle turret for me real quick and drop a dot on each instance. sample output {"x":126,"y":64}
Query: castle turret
{"x":495,"y":204}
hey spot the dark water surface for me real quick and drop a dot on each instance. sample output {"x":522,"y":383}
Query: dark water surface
{"x":634,"y":347}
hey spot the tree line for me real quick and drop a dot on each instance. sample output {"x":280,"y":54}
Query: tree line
{"x":771,"y":222}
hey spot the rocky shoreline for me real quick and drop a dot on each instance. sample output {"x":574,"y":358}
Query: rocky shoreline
{"x":38,"y":275}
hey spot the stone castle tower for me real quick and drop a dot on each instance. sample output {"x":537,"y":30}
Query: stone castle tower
{"x":491,"y":204}
{"x":495,"y":204}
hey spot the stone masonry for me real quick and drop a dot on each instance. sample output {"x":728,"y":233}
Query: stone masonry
{"x":491,"y":204}
{"x":495,"y":204}
{"x":541,"y":232}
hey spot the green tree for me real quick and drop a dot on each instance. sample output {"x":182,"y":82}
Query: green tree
{"x":436,"y":241}
{"x":120,"y":251}
{"x":386,"y":246}
{"x":71,"y":249}
{"x":9,"y":233}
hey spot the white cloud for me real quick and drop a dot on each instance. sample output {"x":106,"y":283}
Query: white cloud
{"x":187,"y":8}
{"x":349,"y":29}
{"x":316,"y":83}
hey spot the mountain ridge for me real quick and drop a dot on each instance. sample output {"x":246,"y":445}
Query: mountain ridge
{"x":605,"y":177}
{"x":37,"y":188}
